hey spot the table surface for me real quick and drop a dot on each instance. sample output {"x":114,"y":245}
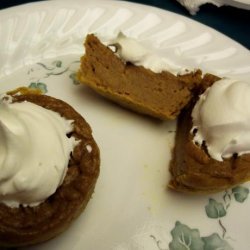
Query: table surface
{"x":231,"y":21}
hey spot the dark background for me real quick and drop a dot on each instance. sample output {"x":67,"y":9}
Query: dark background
{"x":231,"y":21}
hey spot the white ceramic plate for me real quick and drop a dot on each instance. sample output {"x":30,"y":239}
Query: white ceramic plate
{"x":40,"y":46}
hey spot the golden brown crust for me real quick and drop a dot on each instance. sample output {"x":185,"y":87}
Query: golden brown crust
{"x":194,"y":171}
{"x":160,"y":95}
{"x":30,"y":225}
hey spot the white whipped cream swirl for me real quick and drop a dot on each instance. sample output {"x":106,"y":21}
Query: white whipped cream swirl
{"x":222,"y":119}
{"x":34,"y":152}
{"x":130,"y":50}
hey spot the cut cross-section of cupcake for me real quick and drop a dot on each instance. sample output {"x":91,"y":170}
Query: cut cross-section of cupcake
{"x":119,"y":77}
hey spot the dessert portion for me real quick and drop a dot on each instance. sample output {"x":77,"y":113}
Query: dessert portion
{"x":212,"y":142}
{"x":212,"y":150}
{"x":206,"y":156}
{"x":49,"y":165}
{"x":135,"y":78}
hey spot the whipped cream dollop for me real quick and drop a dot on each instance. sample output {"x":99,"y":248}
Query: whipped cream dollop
{"x":222,"y":119}
{"x":130,"y":50}
{"x":34,"y":152}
